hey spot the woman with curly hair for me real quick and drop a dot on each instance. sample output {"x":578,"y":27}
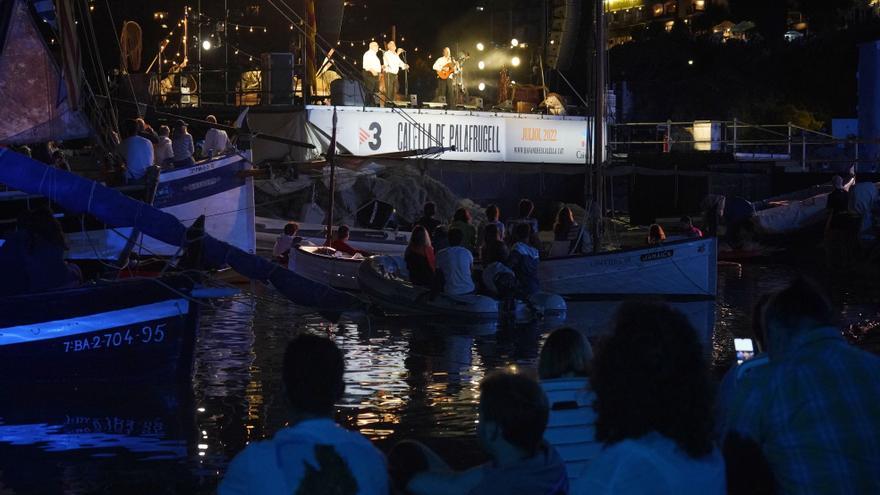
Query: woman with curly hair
{"x":653,"y":409}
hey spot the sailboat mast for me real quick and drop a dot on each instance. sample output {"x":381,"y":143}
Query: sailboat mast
{"x":331,"y":158}
{"x":598,"y":186}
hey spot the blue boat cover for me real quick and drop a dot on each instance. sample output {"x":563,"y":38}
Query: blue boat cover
{"x":79,"y":195}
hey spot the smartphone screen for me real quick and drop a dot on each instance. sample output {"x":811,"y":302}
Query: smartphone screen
{"x":745,"y":349}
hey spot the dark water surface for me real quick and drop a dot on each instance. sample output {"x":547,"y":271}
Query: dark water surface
{"x":405,"y":379}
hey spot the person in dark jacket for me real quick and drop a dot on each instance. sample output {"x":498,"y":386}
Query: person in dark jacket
{"x":428,"y":221}
{"x":419,"y":257}
{"x":523,"y":260}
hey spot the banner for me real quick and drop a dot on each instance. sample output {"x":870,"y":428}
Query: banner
{"x":477,"y":136}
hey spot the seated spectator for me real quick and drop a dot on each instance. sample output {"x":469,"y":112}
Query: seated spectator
{"x":493,"y":248}
{"x":523,"y":260}
{"x":428,"y":221}
{"x":182,"y":145}
{"x":216,"y":140}
{"x":526,"y":209}
{"x":145,"y":131}
{"x":456,"y":263}
{"x":340,"y":242}
{"x":439,"y":238}
{"x":136,"y":151}
{"x":162,"y":150}
{"x":687,"y":228}
{"x":653,"y":409}
{"x":312,"y":454}
{"x":462,"y":221}
{"x":32,"y":258}
{"x":656,"y":235}
{"x":564,"y":367}
{"x":493,"y":216}
{"x":60,"y":162}
{"x":419,"y":257}
{"x":813,"y":408}
{"x":513,"y":415}
{"x":567,"y":229}
{"x":494,"y":254}
{"x":285,"y":242}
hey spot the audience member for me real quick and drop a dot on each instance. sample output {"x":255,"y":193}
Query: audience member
{"x":494,"y":254}
{"x":216,"y":140}
{"x":688,"y":229}
{"x":656,"y":235}
{"x":567,"y":229}
{"x":145,"y":131}
{"x":564,"y":367}
{"x":493,"y":217}
{"x":59,"y":161}
{"x":512,"y":419}
{"x":526,"y":209}
{"x":523,"y":260}
{"x":340,"y":242}
{"x":182,"y":144}
{"x":813,"y":408}
{"x":136,"y":151}
{"x":285,"y":242}
{"x":653,"y":409}
{"x":462,"y":221}
{"x":163,"y":150}
{"x":312,"y":454}
{"x":455,"y":263}
{"x":428,"y":221}
{"x":419,"y":257}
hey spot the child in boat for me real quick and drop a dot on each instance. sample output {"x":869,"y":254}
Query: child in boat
{"x":455,"y":263}
{"x":286,"y":241}
{"x":526,"y":209}
{"x":523,"y":261}
{"x":419,"y":257}
{"x":340,"y":242}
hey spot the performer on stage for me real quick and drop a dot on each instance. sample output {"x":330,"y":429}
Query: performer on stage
{"x":446,"y":68}
{"x":372,"y":68}
{"x":392,"y":65}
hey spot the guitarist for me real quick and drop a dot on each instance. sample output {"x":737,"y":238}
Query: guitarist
{"x":372,"y":69}
{"x":446,"y":68}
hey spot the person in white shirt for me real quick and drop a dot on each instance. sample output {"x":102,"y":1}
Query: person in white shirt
{"x":216,"y":140}
{"x":163,"y":150}
{"x":446,"y":87}
{"x":455,"y":263}
{"x":136,"y":151}
{"x":372,"y":68}
{"x":313,"y":454}
{"x":182,"y":144}
{"x":392,"y":64}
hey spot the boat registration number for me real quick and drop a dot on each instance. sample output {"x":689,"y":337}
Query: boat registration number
{"x":110,"y":340}
{"x":657,"y":255}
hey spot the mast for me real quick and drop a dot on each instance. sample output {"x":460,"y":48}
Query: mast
{"x":331,"y":158}
{"x":598,"y":185}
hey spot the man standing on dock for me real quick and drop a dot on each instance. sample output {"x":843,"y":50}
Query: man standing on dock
{"x":372,"y":68}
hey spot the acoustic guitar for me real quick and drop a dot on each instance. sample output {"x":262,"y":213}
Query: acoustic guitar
{"x":451,"y":68}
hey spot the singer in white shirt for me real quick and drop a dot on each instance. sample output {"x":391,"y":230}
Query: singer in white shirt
{"x":392,"y":65}
{"x":372,"y":68}
{"x":446,"y":87}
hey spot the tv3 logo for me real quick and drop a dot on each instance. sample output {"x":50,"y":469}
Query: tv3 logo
{"x":372,"y":136}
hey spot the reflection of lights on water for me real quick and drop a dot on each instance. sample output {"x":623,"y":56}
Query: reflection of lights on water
{"x":201,"y":409}
{"x":203,"y":446}
{"x":512,"y":368}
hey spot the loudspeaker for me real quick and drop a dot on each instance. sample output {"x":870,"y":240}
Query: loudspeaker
{"x":277,"y":78}
{"x":414,"y":101}
{"x":347,"y":92}
{"x":564,"y":27}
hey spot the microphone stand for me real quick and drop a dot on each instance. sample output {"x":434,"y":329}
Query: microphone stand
{"x":405,"y":78}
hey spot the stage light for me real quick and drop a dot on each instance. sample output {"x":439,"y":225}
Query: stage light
{"x":481,"y":65}
{"x":481,"y":47}
{"x":690,"y":62}
{"x":206,"y":45}
{"x":481,"y":86}
{"x":514,"y":61}
{"x":514,"y":42}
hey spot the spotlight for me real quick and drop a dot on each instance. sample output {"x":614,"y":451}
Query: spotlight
{"x":481,"y":46}
{"x":481,"y":86}
{"x":690,"y":62}
{"x":206,"y":45}
{"x":514,"y":61}
{"x":514,"y":42}
{"x":481,"y":65}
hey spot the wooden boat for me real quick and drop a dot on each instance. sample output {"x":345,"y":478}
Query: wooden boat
{"x":326,"y":266}
{"x":141,"y":329}
{"x":391,"y":242}
{"x":680,"y":268}
{"x":384,"y":279}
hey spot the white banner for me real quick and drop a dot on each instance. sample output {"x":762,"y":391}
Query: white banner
{"x":477,"y":136}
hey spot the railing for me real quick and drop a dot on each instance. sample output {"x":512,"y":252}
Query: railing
{"x":745,"y":141}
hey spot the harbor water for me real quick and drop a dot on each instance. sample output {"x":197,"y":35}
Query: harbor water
{"x":405,"y":378}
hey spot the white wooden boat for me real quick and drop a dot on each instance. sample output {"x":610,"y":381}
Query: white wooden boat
{"x":326,"y":266}
{"x":392,"y":242}
{"x":681,"y":268}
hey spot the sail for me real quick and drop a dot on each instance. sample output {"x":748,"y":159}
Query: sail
{"x":34,"y":95}
{"x":80,"y":195}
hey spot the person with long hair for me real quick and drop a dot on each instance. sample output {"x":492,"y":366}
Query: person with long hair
{"x":182,"y":144}
{"x":567,"y":229}
{"x":653,"y":408}
{"x":419,"y":257}
{"x":656,"y":235}
{"x":462,"y":221}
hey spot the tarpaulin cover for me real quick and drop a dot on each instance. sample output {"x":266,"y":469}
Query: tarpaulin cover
{"x":79,"y":195}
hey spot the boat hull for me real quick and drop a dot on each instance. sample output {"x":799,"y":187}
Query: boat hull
{"x":332,"y":271}
{"x":373,"y":241}
{"x":682,"y":268}
{"x":131,"y":330}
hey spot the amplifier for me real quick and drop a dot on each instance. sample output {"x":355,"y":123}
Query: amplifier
{"x":347,"y":92}
{"x":277,"y":78}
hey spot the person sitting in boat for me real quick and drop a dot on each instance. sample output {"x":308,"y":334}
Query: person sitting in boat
{"x":688,"y":229}
{"x":493,"y":216}
{"x":419,"y":257}
{"x":216,"y":140}
{"x":523,"y":261}
{"x":60,"y":162}
{"x":312,"y":454}
{"x":456,"y":263}
{"x":182,"y":144}
{"x":526,"y":209}
{"x":136,"y":151}
{"x":567,"y":229}
{"x":340,"y":242}
{"x":656,"y":235}
{"x":32,"y":258}
{"x":163,"y":151}
{"x":462,"y":221}
{"x":428,"y":221}
{"x":494,"y":254}
{"x":285,"y":242}
{"x":440,"y":238}
{"x":513,"y":414}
